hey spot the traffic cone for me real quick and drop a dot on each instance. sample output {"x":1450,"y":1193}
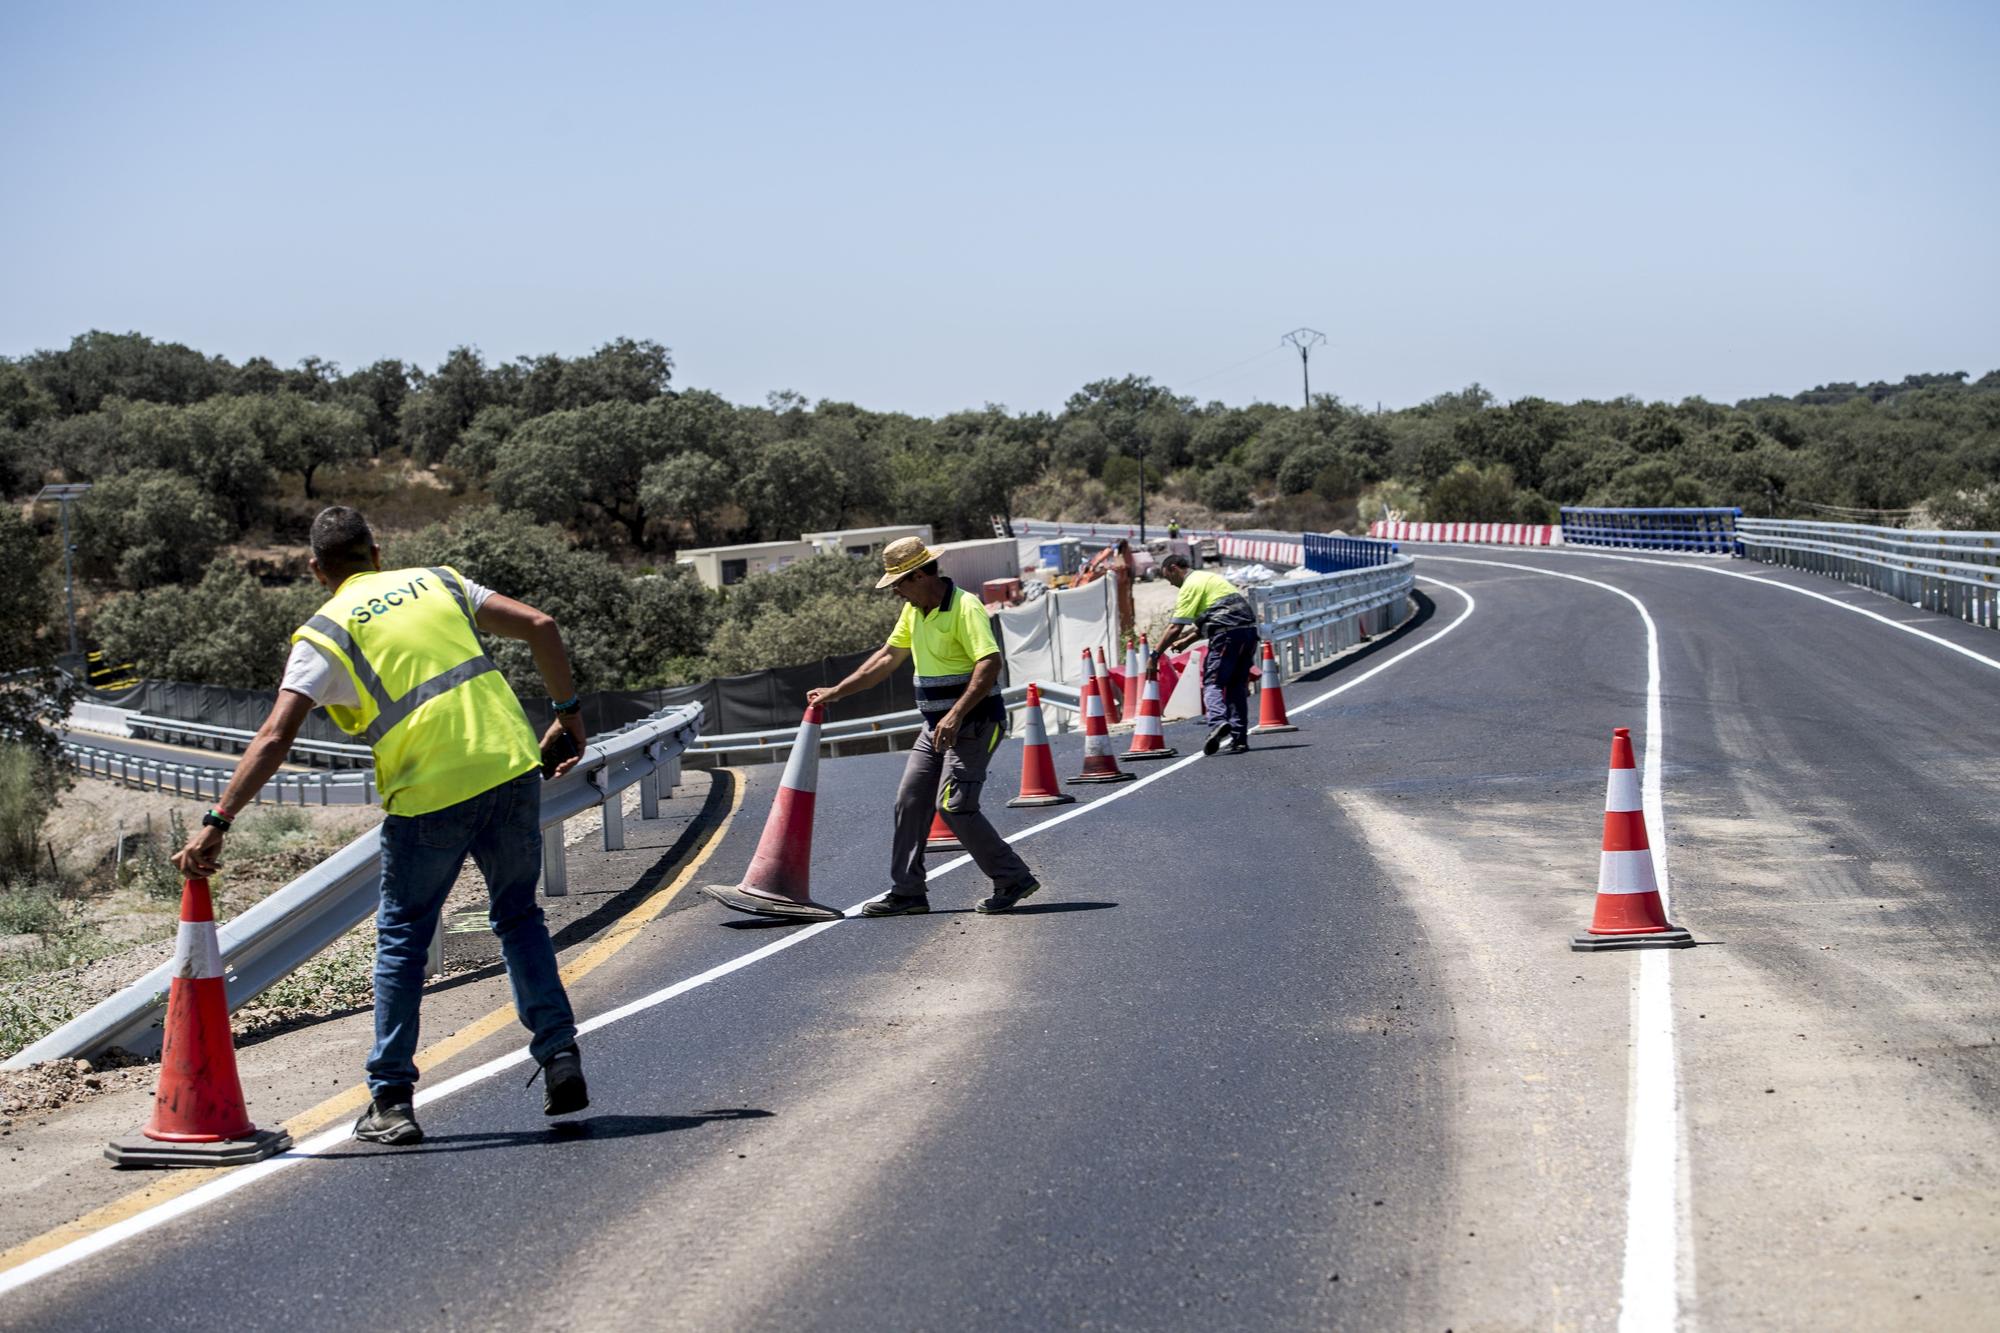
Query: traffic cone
{"x":941,"y":838}
{"x":1135,"y":671}
{"x":1099,"y":764}
{"x":1114,"y":704}
{"x":780,"y":872}
{"x":1038,"y":763}
{"x":1271,"y":697}
{"x":198,"y":1114}
{"x":1148,"y":741}
{"x":1629,"y":912}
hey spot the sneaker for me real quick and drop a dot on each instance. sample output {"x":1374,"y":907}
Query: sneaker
{"x":563,"y":1089}
{"x":1238,"y":747}
{"x":393,"y":1123}
{"x":897,"y":905}
{"x":1003,"y":900}
{"x":1216,"y":736}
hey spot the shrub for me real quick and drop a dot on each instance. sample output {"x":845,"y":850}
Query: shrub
{"x":147,"y":528}
{"x":1226,"y":488}
{"x":26,"y":797}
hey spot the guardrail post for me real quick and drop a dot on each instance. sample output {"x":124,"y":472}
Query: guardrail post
{"x":614,"y":822}
{"x":434,"y":958}
{"x":555,"y":863}
{"x":649,"y":795}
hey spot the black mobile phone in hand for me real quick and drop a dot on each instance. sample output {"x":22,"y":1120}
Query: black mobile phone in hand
{"x":555,"y":750}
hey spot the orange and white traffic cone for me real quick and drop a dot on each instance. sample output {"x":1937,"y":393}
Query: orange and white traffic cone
{"x":1114,"y":704}
{"x":1099,"y":764}
{"x":941,"y":838}
{"x":1135,"y":672}
{"x":1148,"y":740}
{"x":781,"y":870}
{"x":1271,"y":697}
{"x":1038,"y":762}
{"x":1629,"y":912}
{"x":198,"y":1114}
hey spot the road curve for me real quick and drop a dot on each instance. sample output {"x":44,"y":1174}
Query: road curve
{"x":1292,"y":1038}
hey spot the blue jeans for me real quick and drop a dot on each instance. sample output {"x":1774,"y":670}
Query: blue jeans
{"x":421,"y":856}
{"x":1225,"y":679}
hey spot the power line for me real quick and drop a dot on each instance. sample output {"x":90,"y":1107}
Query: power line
{"x":1274,"y":347}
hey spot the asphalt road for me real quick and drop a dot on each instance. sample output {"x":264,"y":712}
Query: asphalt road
{"x":1290,"y":1039}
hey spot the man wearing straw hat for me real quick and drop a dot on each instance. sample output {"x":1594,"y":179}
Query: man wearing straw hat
{"x":957,"y":667}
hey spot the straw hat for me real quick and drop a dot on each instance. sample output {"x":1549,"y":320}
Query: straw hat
{"x":905,"y":555}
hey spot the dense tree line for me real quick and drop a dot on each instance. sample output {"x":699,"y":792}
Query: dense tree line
{"x":574,"y":480}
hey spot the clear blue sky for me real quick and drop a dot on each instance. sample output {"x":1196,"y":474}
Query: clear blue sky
{"x":932,"y":206}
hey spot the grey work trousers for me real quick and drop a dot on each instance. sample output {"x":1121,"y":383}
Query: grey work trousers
{"x":950,"y":781}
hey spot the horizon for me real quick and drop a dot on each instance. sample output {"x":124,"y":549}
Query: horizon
{"x":922,"y":212}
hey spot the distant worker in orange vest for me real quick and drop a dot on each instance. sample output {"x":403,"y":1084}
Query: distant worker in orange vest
{"x":393,"y":657}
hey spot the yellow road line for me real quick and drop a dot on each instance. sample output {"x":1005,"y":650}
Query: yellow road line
{"x":341,"y":1104}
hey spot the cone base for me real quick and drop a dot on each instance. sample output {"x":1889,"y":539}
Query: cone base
{"x":136,"y":1150}
{"x":943,"y":845}
{"x":734,"y":896}
{"x":1055,"y":798}
{"x":1672,"y":938}
{"x":1261,"y":730}
{"x":1130,"y":758}
{"x":1103,"y":777}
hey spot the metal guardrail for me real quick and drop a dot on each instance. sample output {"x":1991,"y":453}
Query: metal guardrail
{"x":1710,"y":530}
{"x":202,"y":783}
{"x":336,"y":753}
{"x":1310,"y":621}
{"x":861,"y":734}
{"x":274,"y":937}
{"x":1952,"y":573}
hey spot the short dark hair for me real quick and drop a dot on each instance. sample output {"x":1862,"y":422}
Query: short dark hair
{"x":341,"y":541}
{"x":1176,"y":559}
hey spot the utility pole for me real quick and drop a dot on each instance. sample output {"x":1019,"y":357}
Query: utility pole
{"x":1140,"y":445}
{"x":1305,"y":340}
{"x":66,"y":495}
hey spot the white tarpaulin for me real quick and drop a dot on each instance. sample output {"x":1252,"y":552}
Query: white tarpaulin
{"x":1045,"y":638}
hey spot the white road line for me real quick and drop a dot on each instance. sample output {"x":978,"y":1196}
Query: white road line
{"x":1659,"y":1254}
{"x":1831,"y":599}
{"x":99,"y":1241}
{"x":1463,"y":616}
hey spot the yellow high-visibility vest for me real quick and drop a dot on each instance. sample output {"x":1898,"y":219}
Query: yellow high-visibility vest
{"x":441,"y":718}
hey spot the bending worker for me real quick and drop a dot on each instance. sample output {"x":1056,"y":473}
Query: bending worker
{"x":958,"y":665}
{"x":392,"y":656}
{"x":1210,"y":604}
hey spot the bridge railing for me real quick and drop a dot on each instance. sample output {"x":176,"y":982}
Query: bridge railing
{"x":884,"y":731}
{"x":204,"y":783}
{"x":268,"y":941}
{"x":1310,"y":621}
{"x":1709,"y":530}
{"x":1953,"y":573}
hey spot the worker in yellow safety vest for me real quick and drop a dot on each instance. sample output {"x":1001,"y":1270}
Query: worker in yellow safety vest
{"x":394,"y":657}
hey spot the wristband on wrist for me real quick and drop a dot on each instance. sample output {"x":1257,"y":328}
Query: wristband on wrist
{"x":216,"y":819}
{"x":567,"y":706}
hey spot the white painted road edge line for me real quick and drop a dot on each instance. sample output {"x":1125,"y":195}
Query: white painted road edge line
{"x":1659,"y":1254}
{"x":1907,"y":627}
{"x":242,"y":1177}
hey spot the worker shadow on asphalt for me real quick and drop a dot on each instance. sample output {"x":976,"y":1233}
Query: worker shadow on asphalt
{"x":1028,"y":909}
{"x":596,"y":1127}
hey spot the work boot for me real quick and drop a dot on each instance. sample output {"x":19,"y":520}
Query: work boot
{"x":1238,"y":747}
{"x":1216,"y":736}
{"x":1003,"y":900}
{"x":563,"y":1089}
{"x":390,"y":1119}
{"x":897,"y":905}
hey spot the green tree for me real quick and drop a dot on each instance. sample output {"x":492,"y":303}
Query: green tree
{"x":1471,"y":494}
{"x":581,"y":463}
{"x":443,"y":404}
{"x":148,"y":527}
{"x":296,"y":434}
{"x":1226,"y":489}
{"x":691,"y":488}
{"x":34,"y":695}
{"x":790,"y":488}
{"x":245,"y":628}
{"x":97,"y":366}
{"x":378,"y":393}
